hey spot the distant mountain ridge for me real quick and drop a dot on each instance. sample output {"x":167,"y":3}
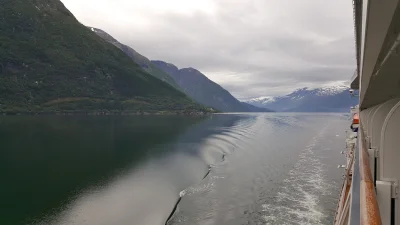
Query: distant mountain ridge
{"x":325,"y":99}
{"x":203,"y":90}
{"x":141,"y":60}
{"x":221,"y":100}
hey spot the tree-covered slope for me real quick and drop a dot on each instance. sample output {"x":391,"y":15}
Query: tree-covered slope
{"x":51,"y":62}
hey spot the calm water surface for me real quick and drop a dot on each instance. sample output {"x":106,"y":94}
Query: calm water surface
{"x":231,"y":169}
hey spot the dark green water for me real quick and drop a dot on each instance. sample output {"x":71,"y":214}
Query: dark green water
{"x":131,"y":170}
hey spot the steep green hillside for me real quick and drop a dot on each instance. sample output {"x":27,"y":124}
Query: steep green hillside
{"x":51,"y":62}
{"x":143,"y":62}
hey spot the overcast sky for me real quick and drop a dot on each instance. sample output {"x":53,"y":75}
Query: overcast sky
{"x":252,"y":48}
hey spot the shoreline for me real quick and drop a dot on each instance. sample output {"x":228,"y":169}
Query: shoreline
{"x":105,"y":113}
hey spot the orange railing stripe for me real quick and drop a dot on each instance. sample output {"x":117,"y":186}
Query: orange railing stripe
{"x":369,"y":210}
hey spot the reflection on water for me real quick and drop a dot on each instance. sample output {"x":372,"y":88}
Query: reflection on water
{"x":282,"y":170}
{"x":263,"y":169}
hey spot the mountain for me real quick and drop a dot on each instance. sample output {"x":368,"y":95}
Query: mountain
{"x":326,"y":99}
{"x":162,"y":71}
{"x":252,"y":108}
{"x":142,"y":61}
{"x":203,"y":90}
{"x":154,"y":70}
{"x":49,"y":62}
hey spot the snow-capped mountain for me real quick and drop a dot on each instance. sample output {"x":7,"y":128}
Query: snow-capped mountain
{"x":325,"y":99}
{"x":261,"y":100}
{"x":333,"y":90}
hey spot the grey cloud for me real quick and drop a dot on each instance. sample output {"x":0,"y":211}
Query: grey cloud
{"x":250,"y":47}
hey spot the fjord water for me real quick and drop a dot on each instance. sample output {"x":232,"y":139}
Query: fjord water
{"x":261,"y":169}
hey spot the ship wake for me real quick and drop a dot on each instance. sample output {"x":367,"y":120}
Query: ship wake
{"x":297,"y":200}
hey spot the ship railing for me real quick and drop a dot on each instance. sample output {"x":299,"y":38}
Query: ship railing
{"x":357,"y":202}
{"x":343,"y":207}
{"x":369,"y":209}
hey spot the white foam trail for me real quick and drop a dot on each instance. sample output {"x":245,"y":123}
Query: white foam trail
{"x":297,"y":202}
